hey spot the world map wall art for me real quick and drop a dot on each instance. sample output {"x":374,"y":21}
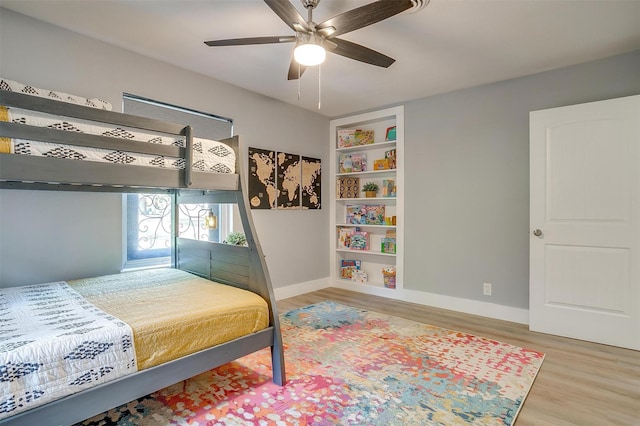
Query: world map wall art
{"x":284,"y":181}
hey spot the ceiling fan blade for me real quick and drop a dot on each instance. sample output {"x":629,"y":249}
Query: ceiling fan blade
{"x":288,"y":13}
{"x":364,"y":15}
{"x":293,"y":70}
{"x":360,"y":53}
{"x":251,"y":40}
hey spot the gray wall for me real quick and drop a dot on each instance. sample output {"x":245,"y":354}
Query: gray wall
{"x":467,"y":168}
{"x":48,"y":236}
{"x":467,"y":177}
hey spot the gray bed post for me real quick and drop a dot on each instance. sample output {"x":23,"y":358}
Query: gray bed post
{"x":259,"y":273}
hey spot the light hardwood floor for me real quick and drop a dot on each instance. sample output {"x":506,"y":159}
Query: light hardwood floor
{"x":580,"y":383}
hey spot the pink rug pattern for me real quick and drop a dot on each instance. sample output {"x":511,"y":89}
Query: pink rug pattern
{"x":347,"y":366}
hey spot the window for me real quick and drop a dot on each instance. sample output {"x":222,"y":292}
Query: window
{"x":148,"y":231}
{"x":148,"y":217}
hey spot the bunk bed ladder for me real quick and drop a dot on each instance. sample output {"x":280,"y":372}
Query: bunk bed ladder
{"x":260,"y":278}
{"x":258,"y":265}
{"x":202,"y":258}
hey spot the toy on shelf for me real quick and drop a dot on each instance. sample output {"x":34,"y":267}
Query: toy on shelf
{"x":348,"y":187}
{"x":389,"y":276}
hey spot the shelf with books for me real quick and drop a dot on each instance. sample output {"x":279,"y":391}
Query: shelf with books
{"x":367,"y":158}
{"x":388,"y":172}
{"x":370,"y":147}
{"x":385,"y":199}
{"x":352,"y":187}
{"x":365,"y":226}
{"x":364,"y":271}
{"x":366,"y":252}
{"x":368,"y":231}
{"x":374,"y":239}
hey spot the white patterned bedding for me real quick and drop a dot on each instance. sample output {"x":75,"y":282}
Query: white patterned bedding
{"x":54,"y":343}
{"x":14,"y":86}
{"x":208,"y":155}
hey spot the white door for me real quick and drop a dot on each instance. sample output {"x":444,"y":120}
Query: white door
{"x":585,"y":214}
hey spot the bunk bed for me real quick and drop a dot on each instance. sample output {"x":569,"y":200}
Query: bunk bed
{"x":200,"y":263}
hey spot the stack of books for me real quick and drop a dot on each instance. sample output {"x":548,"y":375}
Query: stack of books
{"x":348,"y":268}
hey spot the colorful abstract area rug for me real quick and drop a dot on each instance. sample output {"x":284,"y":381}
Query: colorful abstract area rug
{"x":347,"y":366}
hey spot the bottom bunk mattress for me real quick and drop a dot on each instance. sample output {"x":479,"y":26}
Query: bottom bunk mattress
{"x":174,"y":313}
{"x":54,"y":343}
{"x":89,"y":324}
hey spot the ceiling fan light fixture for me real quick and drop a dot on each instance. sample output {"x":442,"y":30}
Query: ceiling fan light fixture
{"x":310,"y":53}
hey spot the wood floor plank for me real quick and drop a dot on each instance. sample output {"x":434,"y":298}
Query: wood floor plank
{"x":580,"y":383}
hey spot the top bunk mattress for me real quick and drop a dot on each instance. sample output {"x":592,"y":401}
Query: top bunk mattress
{"x":173,"y":313}
{"x":208,"y":155}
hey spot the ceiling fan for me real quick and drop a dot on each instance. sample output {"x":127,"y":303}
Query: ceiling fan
{"x":312,"y":39}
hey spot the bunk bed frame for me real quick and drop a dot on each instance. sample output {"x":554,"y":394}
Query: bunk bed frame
{"x":242,"y":267}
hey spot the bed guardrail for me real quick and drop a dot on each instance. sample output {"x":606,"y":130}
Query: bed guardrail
{"x":54,"y":170}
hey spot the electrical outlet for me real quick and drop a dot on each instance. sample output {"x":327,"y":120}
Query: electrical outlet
{"x":486,"y":289}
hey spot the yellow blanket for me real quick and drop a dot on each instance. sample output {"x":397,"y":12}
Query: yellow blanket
{"x":173,"y":313}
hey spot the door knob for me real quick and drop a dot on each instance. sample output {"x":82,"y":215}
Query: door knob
{"x":537,"y":232}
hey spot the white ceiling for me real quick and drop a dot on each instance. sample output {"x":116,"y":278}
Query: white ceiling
{"x":448,"y":45}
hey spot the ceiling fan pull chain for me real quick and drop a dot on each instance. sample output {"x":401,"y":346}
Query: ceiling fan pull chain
{"x":319,"y":88}
{"x":298,"y":82}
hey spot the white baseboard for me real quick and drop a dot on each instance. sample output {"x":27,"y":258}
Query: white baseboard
{"x":301,"y":288}
{"x":458,"y":304}
{"x":468,"y":306}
